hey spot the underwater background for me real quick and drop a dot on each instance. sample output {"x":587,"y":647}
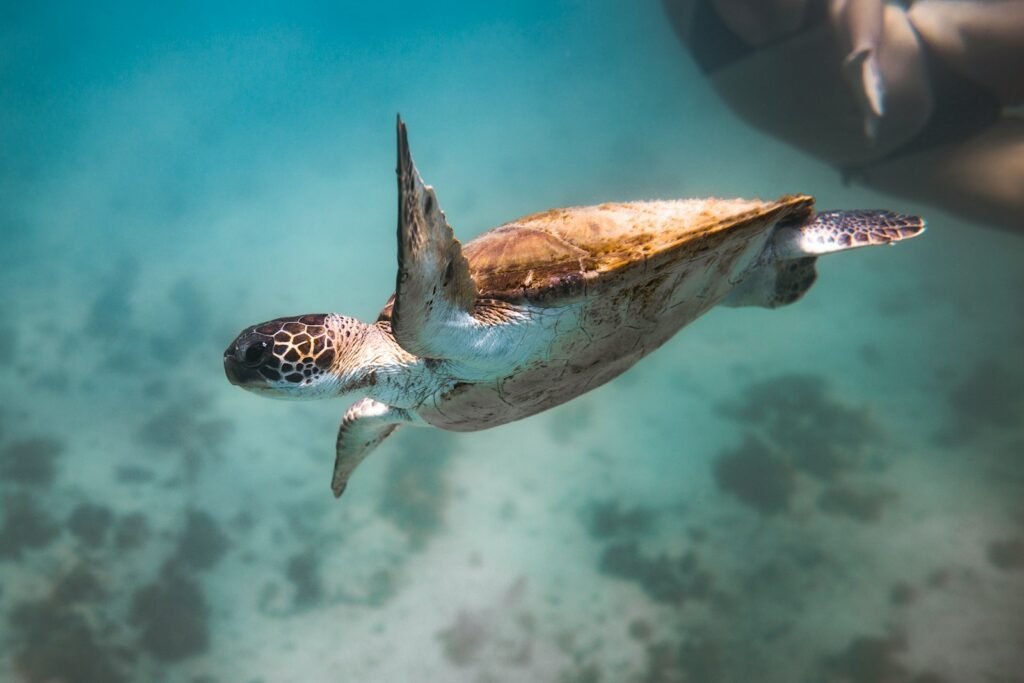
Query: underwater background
{"x":832,"y":491}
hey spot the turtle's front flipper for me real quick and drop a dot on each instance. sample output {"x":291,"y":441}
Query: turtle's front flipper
{"x":434,"y":293}
{"x":365,"y":425}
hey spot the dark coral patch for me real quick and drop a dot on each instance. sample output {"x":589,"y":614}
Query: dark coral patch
{"x":53,"y":642}
{"x":608,"y":520}
{"x":131,"y":531}
{"x":869,"y":660}
{"x":1007,"y":555}
{"x":173,"y":615}
{"x":664,"y":578}
{"x":901,"y":594}
{"x":25,"y":526}
{"x":796,"y":414}
{"x":991,"y":397}
{"x":30,"y":461}
{"x":90,"y":522}
{"x":202,"y":543}
{"x":304,"y":574}
{"x":863,"y":506}
{"x":756,"y":476}
{"x":78,"y":585}
{"x":701,"y":659}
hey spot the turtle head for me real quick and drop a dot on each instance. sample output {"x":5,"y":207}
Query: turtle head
{"x":289,"y":357}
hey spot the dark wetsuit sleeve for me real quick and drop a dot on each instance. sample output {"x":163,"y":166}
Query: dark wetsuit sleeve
{"x":713,"y":44}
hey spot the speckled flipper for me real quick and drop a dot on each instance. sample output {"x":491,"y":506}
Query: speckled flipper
{"x":787,"y":270}
{"x":832,"y":231}
{"x":434,"y":293}
{"x":365,"y":425}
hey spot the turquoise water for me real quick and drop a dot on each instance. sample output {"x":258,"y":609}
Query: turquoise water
{"x":825,"y":492}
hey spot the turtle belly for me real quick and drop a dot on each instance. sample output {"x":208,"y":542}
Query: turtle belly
{"x":597,"y":340}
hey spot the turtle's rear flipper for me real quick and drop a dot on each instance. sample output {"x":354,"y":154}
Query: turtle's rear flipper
{"x":832,"y":231}
{"x":788,"y":268}
{"x":774,"y":284}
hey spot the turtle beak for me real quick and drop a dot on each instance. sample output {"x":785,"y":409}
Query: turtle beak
{"x":236,"y":371}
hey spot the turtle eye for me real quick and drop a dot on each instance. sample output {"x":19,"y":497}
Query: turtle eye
{"x":254,"y":354}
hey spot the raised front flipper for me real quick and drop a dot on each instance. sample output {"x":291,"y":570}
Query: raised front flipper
{"x":365,"y":425}
{"x":434,"y":293}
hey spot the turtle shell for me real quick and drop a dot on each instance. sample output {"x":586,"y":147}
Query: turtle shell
{"x":556,"y":256}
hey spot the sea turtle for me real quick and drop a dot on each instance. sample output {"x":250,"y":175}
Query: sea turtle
{"x":539,"y":310}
